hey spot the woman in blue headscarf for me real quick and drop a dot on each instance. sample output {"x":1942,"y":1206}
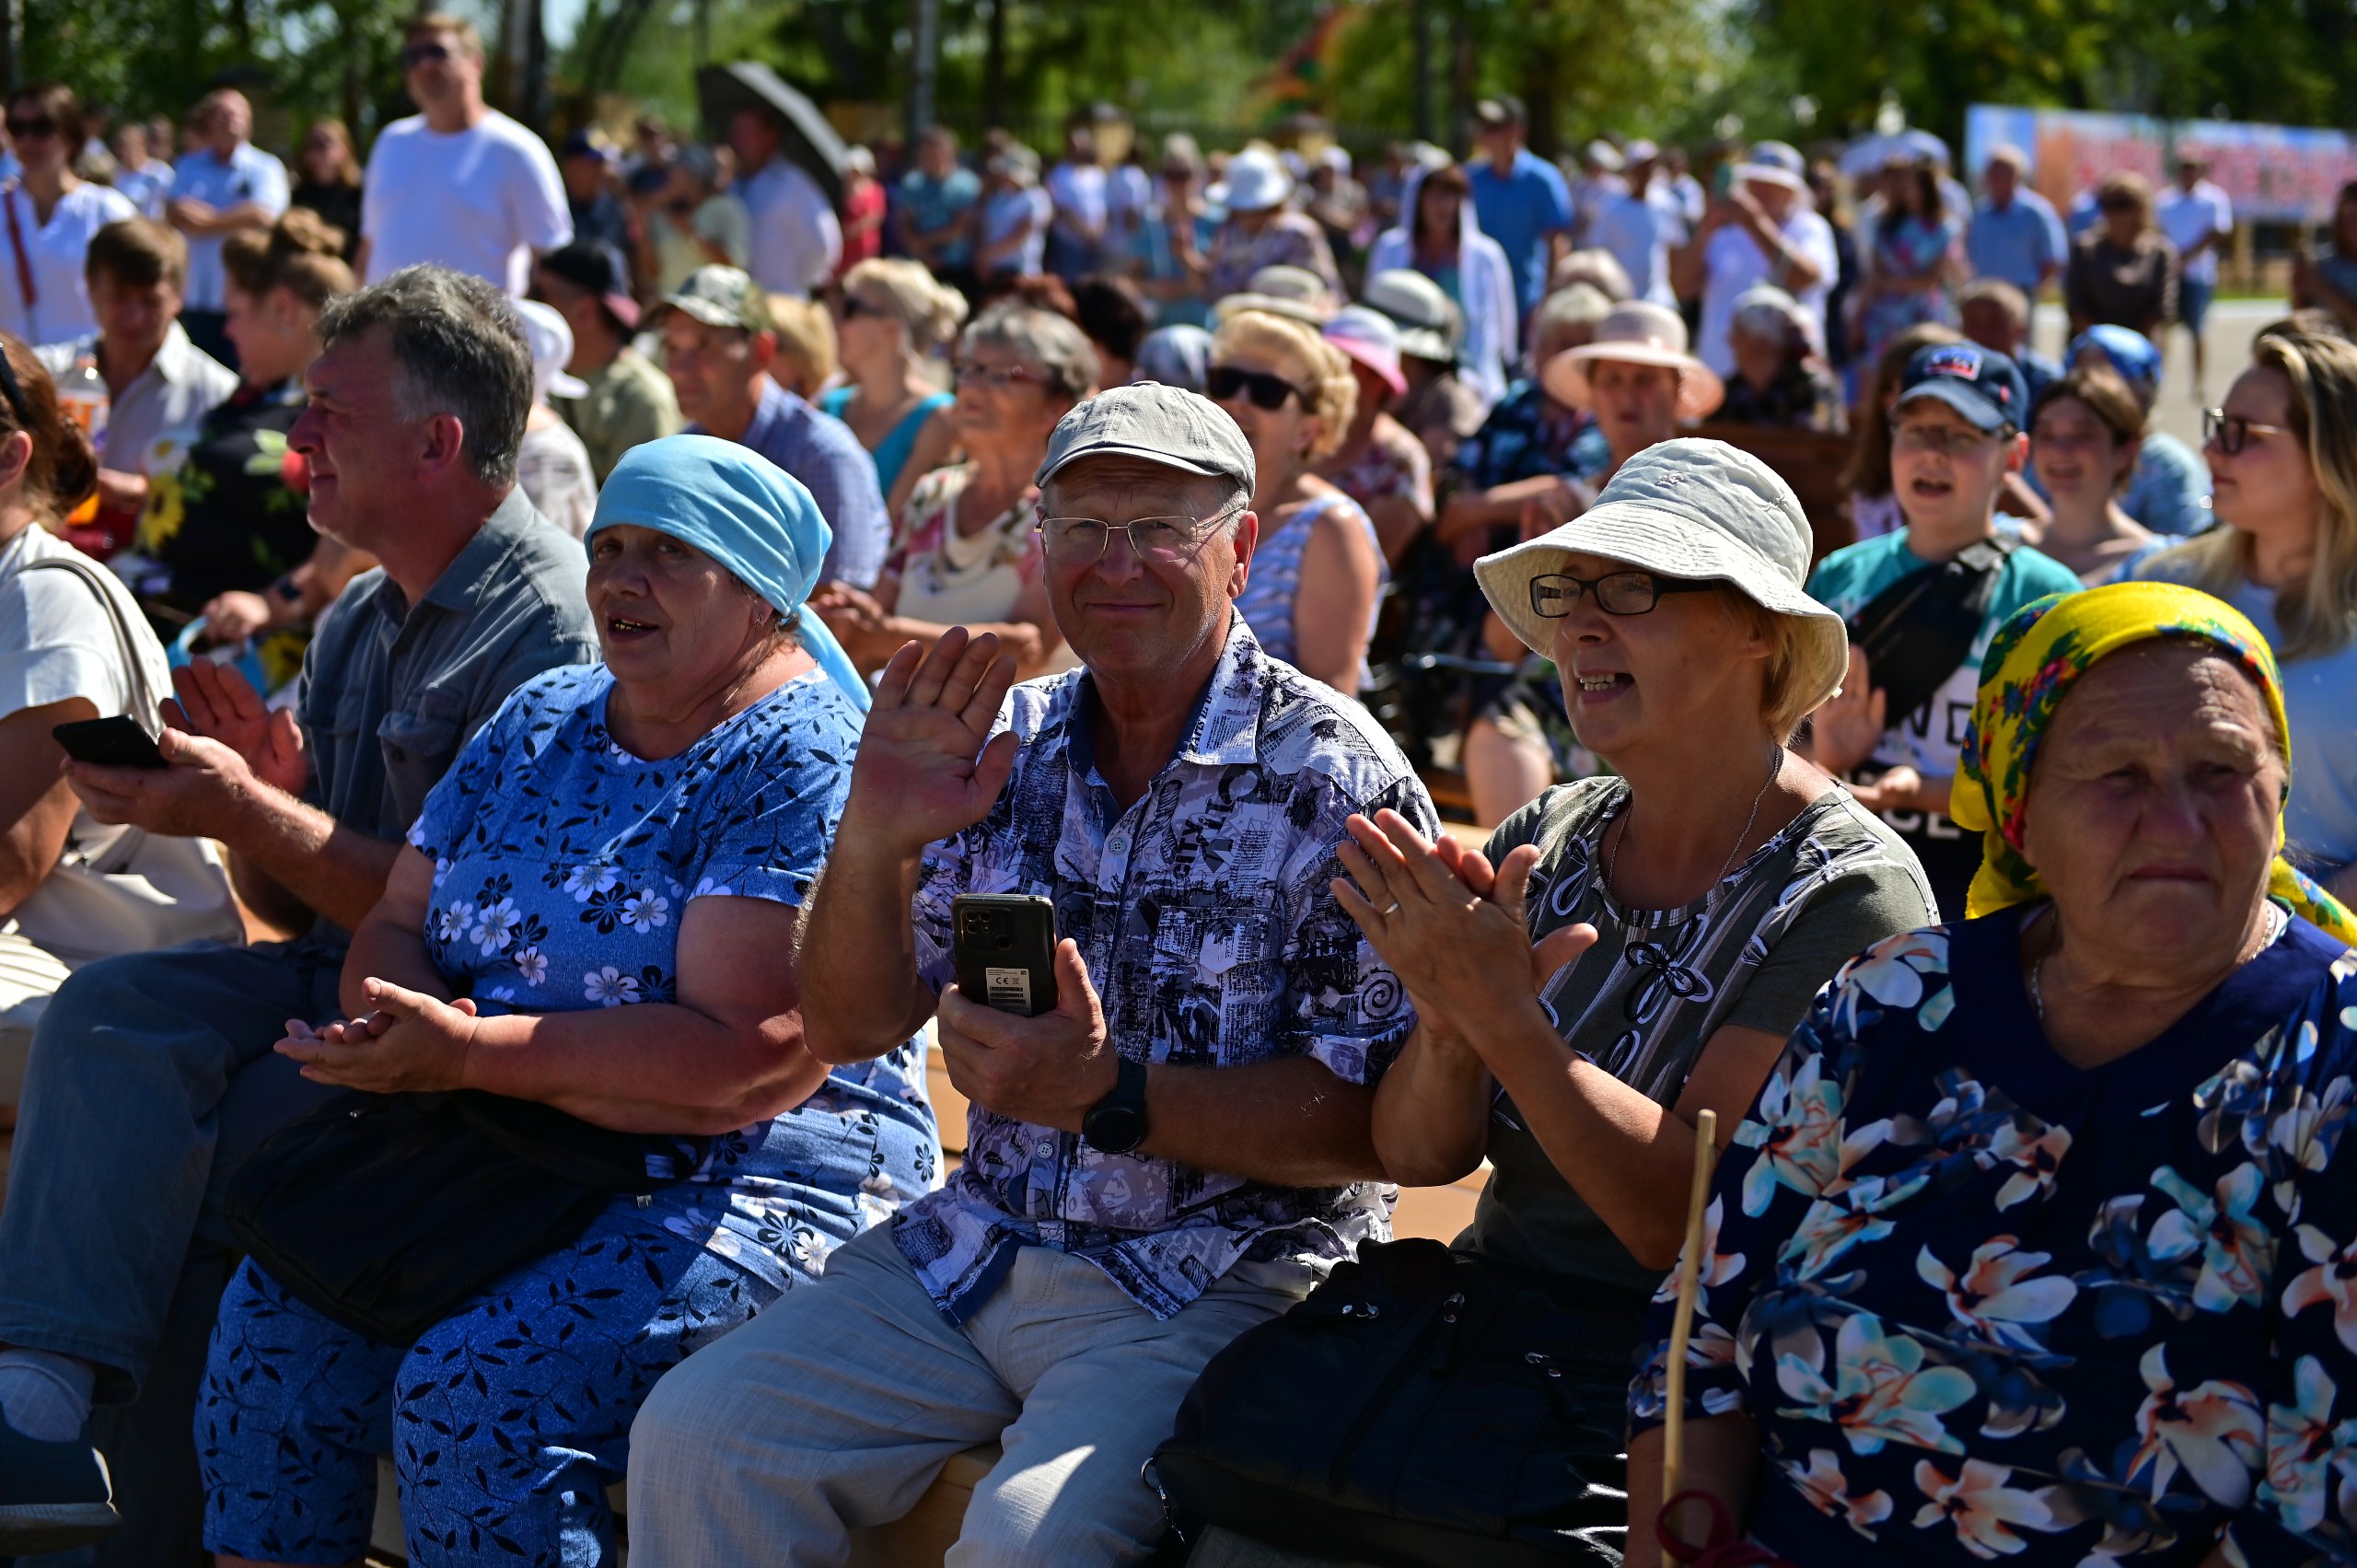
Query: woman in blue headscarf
{"x":596,"y":911}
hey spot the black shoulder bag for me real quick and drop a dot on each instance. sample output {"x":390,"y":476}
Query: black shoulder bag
{"x":1421,"y":1409}
{"x":1916,"y":631}
{"x":389,"y":1211}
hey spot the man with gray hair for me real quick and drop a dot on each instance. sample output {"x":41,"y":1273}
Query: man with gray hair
{"x":1176,"y":1151}
{"x":2013,"y":234}
{"x":153,"y":1076}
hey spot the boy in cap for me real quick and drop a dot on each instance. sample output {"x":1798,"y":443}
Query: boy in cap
{"x":1923,"y":602}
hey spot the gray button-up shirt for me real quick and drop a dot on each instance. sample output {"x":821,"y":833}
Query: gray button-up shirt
{"x":392,"y":691}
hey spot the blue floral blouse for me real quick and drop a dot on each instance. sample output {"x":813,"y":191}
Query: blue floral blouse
{"x":563,"y":866}
{"x":1984,"y":1304}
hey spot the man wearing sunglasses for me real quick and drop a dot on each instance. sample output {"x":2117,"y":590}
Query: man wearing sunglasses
{"x":459,"y":184}
{"x":1176,"y":1151}
{"x":227,"y":185}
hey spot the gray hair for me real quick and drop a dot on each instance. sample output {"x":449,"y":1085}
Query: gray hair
{"x":460,"y":349}
{"x":1580,"y":305}
{"x":1053,"y":342}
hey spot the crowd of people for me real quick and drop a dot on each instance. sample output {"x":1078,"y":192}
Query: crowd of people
{"x":599,"y":619}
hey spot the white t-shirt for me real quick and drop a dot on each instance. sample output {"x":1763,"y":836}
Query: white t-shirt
{"x":554,"y":467}
{"x":250,"y":177}
{"x":1079,"y":193}
{"x":797,"y":239}
{"x":60,"y":309}
{"x":56,"y":641}
{"x":1733,"y":261}
{"x":477,"y":201}
{"x":2189,"y":219}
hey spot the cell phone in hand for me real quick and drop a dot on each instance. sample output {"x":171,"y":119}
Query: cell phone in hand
{"x":116,"y":742}
{"x":1003,"y":948}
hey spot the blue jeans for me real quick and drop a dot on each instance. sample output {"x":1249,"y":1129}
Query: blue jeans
{"x":2193,"y":297}
{"x":152,"y":1078}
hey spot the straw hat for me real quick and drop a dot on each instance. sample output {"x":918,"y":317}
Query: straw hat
{"x":1636,"y":333}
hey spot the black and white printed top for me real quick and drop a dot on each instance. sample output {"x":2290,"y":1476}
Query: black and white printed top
{"x":1658,"y":983}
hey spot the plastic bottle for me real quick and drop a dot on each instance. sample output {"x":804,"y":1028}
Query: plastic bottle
{"x":82,"y":395}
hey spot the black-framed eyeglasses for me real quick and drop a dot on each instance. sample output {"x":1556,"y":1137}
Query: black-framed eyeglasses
{"x":854,"y":305}
{"x":1161,"y":541}
{"x":22,"y":129}
{"x":2230,"y":433}
{"x":1267,"y":389}
{"x":1552,"y":593}
{"x":417,"y":54}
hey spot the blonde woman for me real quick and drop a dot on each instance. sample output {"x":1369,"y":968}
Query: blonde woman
{"x":1317,"y":568}
{"x":2283,"y":454}
{"x":806,"y":352}
{"x":893,"y":320}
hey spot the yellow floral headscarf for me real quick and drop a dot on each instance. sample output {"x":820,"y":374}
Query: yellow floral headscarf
{"x":2035,"y":656}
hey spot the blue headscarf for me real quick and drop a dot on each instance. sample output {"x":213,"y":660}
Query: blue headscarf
{"x":744,"y":512}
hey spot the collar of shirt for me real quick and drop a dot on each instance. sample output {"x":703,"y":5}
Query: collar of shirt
{"x":464,"y":581}
{"x":1227,"y":727}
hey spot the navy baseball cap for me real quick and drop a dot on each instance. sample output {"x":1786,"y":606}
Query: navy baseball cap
{"x":1985,"y":387}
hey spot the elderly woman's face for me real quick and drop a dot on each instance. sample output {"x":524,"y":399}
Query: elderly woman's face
{"x":1636,"y":404}
{"x":1634,"y":681}
{"x":1133,"y":619}
{"x":1758,"y":355}
{"x":2153,"y":804}
{"x":1280,"y":436}
{"x":1003,"y":401}
{"x":667,"y":614}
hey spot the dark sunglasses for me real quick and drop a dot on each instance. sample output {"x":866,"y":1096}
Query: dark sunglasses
{"x":2231,"y":431}
{"x":21,"y":129}
{"x":419,"y":54}
{"x":1552,"y":593}
{"x":854,"y":306}
{"x":1266,"y":390}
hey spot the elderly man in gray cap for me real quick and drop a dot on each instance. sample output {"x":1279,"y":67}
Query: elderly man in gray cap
{"x":1176,"y":1151}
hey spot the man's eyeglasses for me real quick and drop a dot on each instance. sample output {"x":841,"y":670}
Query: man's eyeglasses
{"x":1942,"y":438}
{"x":417,"y":54}
{"x":2230,"y":433}
{"x":988,"y":375}
{"x":23,"y":130}
{"x":1160,"y":542}
{"x":1226,"y":382}
{"x":1552,"y":593}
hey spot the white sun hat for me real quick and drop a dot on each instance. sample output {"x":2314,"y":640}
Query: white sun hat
{"x":551,"y":341}
{"x":1636,"y":333}
{"x":1256,"y":181}
{"x":1698,"y":510}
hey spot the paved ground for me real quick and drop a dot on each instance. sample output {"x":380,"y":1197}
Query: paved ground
{"x":2230,"y":328}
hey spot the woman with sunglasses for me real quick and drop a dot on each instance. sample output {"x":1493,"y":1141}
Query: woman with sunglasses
{"x":49,"y":215}
{"x":967,"y":552}
{"x":1628,"y":951}
{"x":891,"y":325}
{"x":2283,"y":454}
{"x":1317,"y":567}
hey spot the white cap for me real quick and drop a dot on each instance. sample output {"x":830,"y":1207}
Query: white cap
{"x":1256,"y":181}
{"x":552,"y":344}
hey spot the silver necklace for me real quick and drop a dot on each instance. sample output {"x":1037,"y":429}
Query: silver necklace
{"x":1612,"y":855}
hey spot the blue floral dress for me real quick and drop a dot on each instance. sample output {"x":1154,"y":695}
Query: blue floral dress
{"x":564,"y":866}
{"x":1983,"y":1302}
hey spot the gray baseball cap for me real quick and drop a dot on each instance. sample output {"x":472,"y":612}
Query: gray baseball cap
{"x":1156,"y":423}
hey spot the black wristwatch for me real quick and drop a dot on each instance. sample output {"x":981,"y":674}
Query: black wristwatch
{"x":1115,"y":1124}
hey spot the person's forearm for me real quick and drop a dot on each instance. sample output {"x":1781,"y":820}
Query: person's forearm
{"x":1721,"y":1458}
{"x":383,"y":948}
{"x":1290,"y":1122}
{"x":1471,"y":509}
{"x":861,"y":992}
{"x":1028,"y":643}
{"x":1432,"y":1111}
{"x":335,"y":871}
{"x":650,"y":1067}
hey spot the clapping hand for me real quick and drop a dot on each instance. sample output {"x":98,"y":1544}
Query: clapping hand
{"x":1850,"y":723}
{"x":411,"y":1043}
{"x":223,"y":705}
{"x":928,"y":766}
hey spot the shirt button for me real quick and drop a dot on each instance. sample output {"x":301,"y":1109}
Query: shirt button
{"x":1117,"y":844}
{"x":1046,"y":1150}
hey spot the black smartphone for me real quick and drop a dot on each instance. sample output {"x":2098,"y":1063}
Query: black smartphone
{"x":1003,"y":946}
{"x":118,"y":742}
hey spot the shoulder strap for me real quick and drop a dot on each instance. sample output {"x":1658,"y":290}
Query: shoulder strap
{"x":1920,"y":629}
{"x":144,"y":700}
{"x":16,"y":244}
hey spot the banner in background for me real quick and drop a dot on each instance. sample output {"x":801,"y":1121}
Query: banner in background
{"x":2272,"y":173}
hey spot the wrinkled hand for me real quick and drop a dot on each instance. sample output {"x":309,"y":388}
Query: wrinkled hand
{"x":1450,"y":926}
{"x":1047,"y":1071}
{"x":1850,"y":723}
{"x":223,"y":705}
{"x":411,"y":1044}
{"x":234,"y":616}
{"x":204,"y":793}
{"x":924,"y":771}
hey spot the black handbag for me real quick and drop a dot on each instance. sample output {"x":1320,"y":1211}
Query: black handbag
{"x":1916,"y":631}
{"x":387,"y":1211}
{"x":1421,"y":1409}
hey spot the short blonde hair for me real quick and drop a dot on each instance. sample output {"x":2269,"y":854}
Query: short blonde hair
{"x":1317,"y":366}
{"x":807,"y":359}
{"x":1783,"y":700}
{"x":907,"y":292}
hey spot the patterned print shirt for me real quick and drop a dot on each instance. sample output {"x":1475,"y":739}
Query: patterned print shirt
{"x":1985,"y":1305}
{"x":1211,"y":934}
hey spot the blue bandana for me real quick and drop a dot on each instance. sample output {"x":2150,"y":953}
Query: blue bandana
{"x":744,"y":512}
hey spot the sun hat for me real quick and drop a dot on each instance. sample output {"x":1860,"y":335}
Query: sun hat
{"x":1156,"y":423}
{"x":1604,"y":154}
{"x":1982,"y":385}
{"x":1418,"y":306}
{"x":1765,"y":302}
{"x":551,"y":342}
{"x":1637,"y":332}
{"x":1369,"y":339}
{"x":1337,"y":158}
{"x":1282,"y":290}
{"x":1256,"y":181}
{"x":1701,"y":510}
{"x":1641,"y":151}
{"x":719,"y":296}
{"x":1774,"y":163}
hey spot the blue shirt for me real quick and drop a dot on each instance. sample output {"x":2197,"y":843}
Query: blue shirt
{"x":562,"y":868}
{"x":2017,"y":242}
{"x":1520,"y":210}
{"x":1214,"y":938}
{"x":929,"y":203}
{"x":249,"y":175}
{"x":821,"y":451}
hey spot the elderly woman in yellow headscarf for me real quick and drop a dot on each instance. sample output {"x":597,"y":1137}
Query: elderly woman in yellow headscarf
{"x":2040,"y":1241}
